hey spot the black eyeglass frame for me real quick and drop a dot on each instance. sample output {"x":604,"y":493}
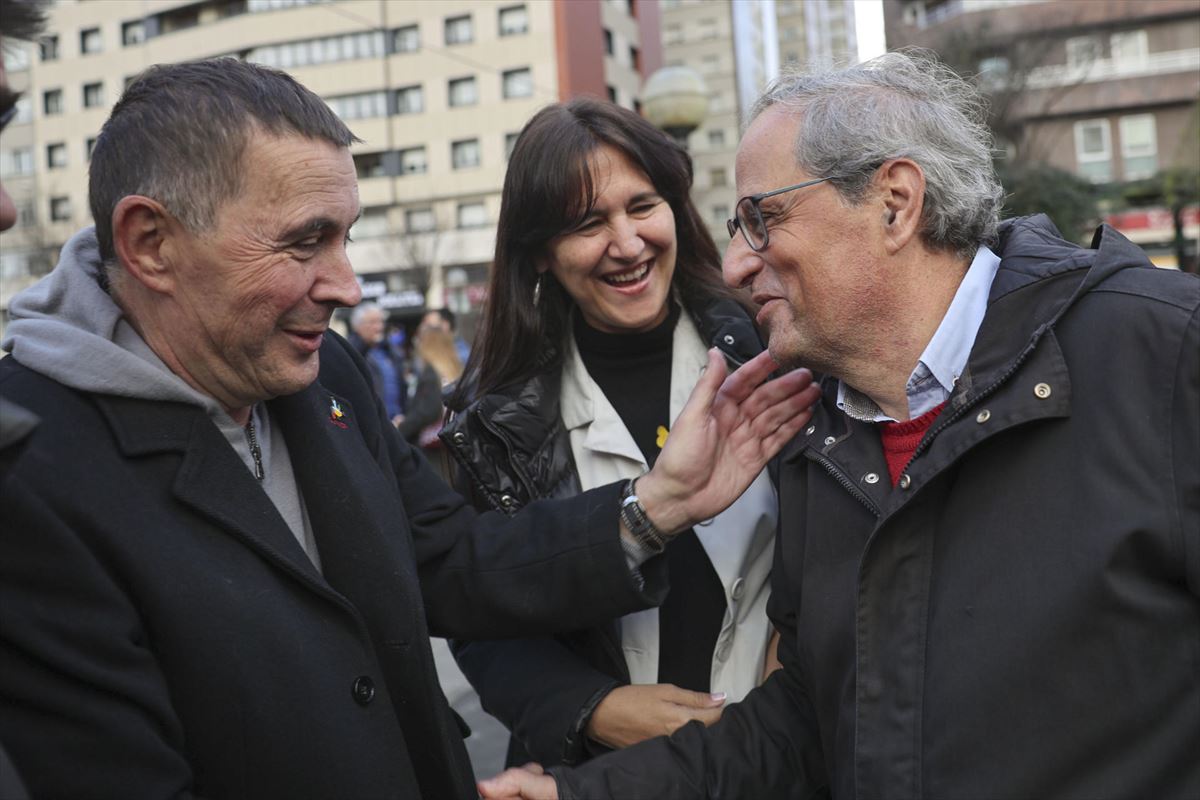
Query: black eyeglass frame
{"x":735,"y":224}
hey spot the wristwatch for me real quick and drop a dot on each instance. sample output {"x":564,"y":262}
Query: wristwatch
{"x":634,"y":516}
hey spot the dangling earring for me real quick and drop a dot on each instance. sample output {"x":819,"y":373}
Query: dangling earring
{"x":537,"y":290}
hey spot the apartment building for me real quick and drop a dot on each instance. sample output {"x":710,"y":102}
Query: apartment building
{"x":1107,"y":90}
{"x":737,"y":47}
{"x":436,"y":89}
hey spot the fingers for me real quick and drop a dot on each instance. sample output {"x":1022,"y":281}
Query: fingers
{"x":686,"y":697}
{"x":705,"y":390}
{"x":519,"y":784}
{"x":738,"y":386}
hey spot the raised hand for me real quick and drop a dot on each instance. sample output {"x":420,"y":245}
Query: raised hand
{"x":630,"y":714}
{"x":728,"y":431}
{"x":519,"y":783}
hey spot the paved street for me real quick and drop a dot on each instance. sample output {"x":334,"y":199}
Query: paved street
{"x":489,"y":739}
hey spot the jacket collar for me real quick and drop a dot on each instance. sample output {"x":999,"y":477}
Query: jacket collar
{"x":1016,"y":358}
{"x":342,"y":500}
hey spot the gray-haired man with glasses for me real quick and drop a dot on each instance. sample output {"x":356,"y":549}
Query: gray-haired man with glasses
{"x":987,"y":581}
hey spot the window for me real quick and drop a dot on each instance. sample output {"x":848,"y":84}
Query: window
{"x":93,"y":95}
{"x":510,"y":141}
{"x":717,"y":177}
{"x":370,"y":165}
{"x":720,"y":213}
{"x":608,"y":42}
{"x":406,"y":39}
{"x":60,"y":209}
{"x":359,"y":106}
{"x":716,"y":138}
{"x":993,"y":72}
{"x":1093,"y":150}
{"x":16,"y":162}
{"x":513,"y":21}
{"x":635,"y":58}
{"x":419,"y":220}
{"x":24,"y":110}
{"x":347,"y":47}
{"x":15,"y":59}
{"x":517,"y":83}
{"x":133,"y":33}
{"x":672,"y":34}
{"x":464,"y":154}
{"x":1139,"y":146}
{"x":89,"y":147}
{"x":708,"y":29}
{"x":410,"y":100}
{"x":90,"y":41}
{"x":372,"y":224}
{"x":462,"y":92}
{"x":612,"y":93}
{"x":472,"y":215}
{"x":412,"y":161}
{"x":1082,"y":51}
{"x":710,"y":63}
{"x":52,"y":102}
{"x":49,"y":48}
{"x":458,"y":30}
{"x":1129,"y":48}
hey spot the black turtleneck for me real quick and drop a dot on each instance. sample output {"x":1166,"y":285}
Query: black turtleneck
{"x":634,"y":372}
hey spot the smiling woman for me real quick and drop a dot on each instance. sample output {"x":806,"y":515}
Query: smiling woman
{"x":605,"y":294}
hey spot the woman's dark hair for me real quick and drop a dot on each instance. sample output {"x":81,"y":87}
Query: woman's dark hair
{"x":548,"y":191}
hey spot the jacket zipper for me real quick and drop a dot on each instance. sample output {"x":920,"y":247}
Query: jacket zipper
{"x":846,"y":483}
{"x":941,"y":425}
{"x":508,"y":452}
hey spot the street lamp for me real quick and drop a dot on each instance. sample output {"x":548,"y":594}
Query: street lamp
{"x":675,"y":99}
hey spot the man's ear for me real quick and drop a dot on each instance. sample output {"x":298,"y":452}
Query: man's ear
{"x":901,"y":184}
{"x":142,"y":229}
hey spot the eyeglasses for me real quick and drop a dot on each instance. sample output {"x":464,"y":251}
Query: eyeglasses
{"x":748,"y":216}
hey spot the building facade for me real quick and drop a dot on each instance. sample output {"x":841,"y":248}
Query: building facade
{"x":436,"y":89}
{"x":1107,"y":90}
{"x":738,"y":47}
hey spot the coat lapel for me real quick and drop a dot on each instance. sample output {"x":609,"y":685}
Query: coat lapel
{"x":211,"y":479}
{"x":357,"y":519}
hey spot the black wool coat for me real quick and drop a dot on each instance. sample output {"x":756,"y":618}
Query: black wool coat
{"x":162,"y":633}
{"x":1020,"y":616}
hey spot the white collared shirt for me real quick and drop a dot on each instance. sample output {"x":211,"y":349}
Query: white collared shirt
{"x":945,"y":357}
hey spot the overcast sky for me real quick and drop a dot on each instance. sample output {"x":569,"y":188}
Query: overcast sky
{"x":868,"y":23}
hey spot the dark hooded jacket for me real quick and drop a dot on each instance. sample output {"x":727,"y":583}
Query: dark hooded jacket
{"x":1020,"y":616}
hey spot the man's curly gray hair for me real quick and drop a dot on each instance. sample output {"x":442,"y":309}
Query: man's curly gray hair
{"x":903,"y":104}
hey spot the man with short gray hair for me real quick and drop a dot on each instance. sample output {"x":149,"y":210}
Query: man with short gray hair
{"x":220,"y":564}
{"x":987,"y":580}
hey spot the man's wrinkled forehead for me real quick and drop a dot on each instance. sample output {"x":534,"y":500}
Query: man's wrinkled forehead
{"x":766,"y":154}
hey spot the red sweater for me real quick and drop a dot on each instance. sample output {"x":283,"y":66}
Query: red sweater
{"x":900,"y":440}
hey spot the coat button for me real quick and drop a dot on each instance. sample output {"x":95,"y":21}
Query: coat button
{"x":871,"y":477}
{"x":904,"y":481}
{"x":830,"y":440}
{"x":728,"y":339}
{"x":363,"y":690}
{"x":507,"y":501}
{"x":983,"y":416}
{"x":810,"y":430}
{"x":459,"y":438}
{"x":739,"y":589}
{"x":1041,"y":391}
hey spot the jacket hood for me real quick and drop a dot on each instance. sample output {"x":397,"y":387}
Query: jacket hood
{"x":1032,"y":249}
{"x":68,"y":328}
